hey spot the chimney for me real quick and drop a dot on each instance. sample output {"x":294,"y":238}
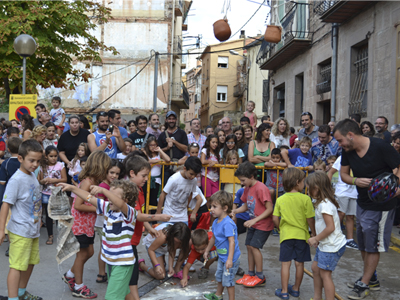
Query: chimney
{"x":242,"y":35}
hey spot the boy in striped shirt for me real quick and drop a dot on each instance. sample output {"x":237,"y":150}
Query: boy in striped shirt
{"x":119,"y":224}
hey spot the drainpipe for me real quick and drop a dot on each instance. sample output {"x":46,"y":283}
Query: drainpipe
{"x":172,"y":57}
{"x":335,"y":27}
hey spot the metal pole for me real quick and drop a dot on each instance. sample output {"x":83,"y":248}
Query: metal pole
{"x":155,"y":84}
{"x":23,"y":75}
{"x":334,"y":69}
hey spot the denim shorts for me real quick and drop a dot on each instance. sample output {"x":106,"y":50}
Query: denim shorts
{"x":221,"y":275}
{"x":45,"y":198}
{"x":158,"y":254}
{"x":328,"y":260}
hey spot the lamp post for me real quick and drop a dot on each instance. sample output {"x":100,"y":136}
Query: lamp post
{"x":25,"y":46}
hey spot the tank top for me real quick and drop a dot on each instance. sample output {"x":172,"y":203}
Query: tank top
{"x":251,"y":117}
{"x":111,"y":150}
{"x":258,"y":153}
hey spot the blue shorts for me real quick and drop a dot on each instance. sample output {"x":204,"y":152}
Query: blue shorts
{"x":328,"y":260}
{"x":297,"y":250}
{"x":221,"y":275}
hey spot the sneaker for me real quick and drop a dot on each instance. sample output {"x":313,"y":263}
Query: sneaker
{"x":29,"y":296}
{"x":240,"y":272}
{"x":254,"y":281}
{"x":352,"y":245}
{"x":192,"y":269}
{"x":203,"y":274}
{"x":70,"y":281}
{"x":243,"y":279}
{"x":374,"y":285}
{"x":360,"y":291}
{"x":275,"y":232}
{"x":84,"y":292}
{"x":212,"y":296}
{"x":8,"y":251}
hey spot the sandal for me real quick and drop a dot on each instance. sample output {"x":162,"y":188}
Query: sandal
{"x":50,"y":240}
{"x":293,"y":292}
{"x":278,"y":292}
{"x":140,"y":261}
{"x":103,"y":278}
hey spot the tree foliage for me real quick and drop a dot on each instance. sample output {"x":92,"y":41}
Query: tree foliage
{"x":64,"y":33}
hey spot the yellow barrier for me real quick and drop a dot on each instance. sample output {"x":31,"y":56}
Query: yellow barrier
{"x":227,"y":173}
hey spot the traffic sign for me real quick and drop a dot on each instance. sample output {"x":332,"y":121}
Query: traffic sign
{"x":22,"y":104}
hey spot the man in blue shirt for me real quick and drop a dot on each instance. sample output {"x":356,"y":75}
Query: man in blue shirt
{"x":114,"y":116}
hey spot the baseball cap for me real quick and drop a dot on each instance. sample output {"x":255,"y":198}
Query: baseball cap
{"x":171,"y":113}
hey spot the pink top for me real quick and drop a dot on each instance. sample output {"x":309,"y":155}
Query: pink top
{"x":251,"y":117}
{"x":52,"y":172}
{"x":83,"y":221}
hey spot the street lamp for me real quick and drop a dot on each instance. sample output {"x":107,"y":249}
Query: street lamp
{"x":25,"y":46}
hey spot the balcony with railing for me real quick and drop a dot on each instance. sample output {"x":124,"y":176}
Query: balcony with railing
{"x":324,"y":82}
{"x":238,"y":90}
{"x":339,"y":11}
{"x":296,"y":38}
{"x":180,"y":95}
{"x":182,"y":8}
{"x":177,"y":46}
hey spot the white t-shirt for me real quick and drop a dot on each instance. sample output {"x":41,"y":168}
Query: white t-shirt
{"x":343,"y":189}
{"x":121,"y":156}
{"x":149,"y":239}
{"x":178,"y":190}
{"x":156,"y":169}
{"x":279,"y":140}
{"x":193,"y":202}
{"x":212,"y":173}
{"x":56,"y":116}
{"x":336,"y":239}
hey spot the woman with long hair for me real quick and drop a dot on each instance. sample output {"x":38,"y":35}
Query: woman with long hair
{"x":27,"y":126}
{"x":280,"y":133}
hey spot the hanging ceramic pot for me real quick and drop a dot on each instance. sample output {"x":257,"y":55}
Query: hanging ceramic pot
{"x":273,"y":34}
{"x":222,"y":30}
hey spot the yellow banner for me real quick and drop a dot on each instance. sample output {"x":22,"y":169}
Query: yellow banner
{"x":22,"y":104}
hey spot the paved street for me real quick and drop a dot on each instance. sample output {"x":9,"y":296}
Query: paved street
{"x":46,"y":279}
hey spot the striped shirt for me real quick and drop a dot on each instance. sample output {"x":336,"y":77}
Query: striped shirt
{"x":116,"y":248}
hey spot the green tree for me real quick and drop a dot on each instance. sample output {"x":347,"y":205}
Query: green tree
{"x":63,"y":31}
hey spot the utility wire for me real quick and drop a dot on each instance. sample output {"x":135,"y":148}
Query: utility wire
{"x":249,"y":19}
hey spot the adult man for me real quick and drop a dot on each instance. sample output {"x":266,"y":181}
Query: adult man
{"x":39,"y":108}
{"x":381,"y":126}
{"x":227,"y":125}
{"x":43,"y":118}
{"x":153,"y":129}
{"x":394,"y":129}
{"x":140,"y":136}
{"x":332,"y":124}
{"x":195,"y":136}
{"x":325,"y":145}
{"x":114,"y":117}
{"x":102,"y":139}
{"x":175,"y":144}
{"x":356,"y":118}
{"x":367,"y":158}
{"x":309,"y":129}
{"x":244,"y":120}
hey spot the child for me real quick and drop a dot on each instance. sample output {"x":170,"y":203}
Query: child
{"x":232,"y":158}
{"x":155,"y":155}
{"x":330,"y":161}
{"x":273,"y":181}
{"x":257,"y":201}
{"x":193,"y":150}
{"x":119,"y":223}
{"x":179,"y":191}
{"x":200,"y":240}
{"x":75,"y":167}
{"x":210,"y":156}
{"x":230,"y":144}
{"x":128,"y":148}
{"x":329,"y":241}
{"x":293,"y":215}
{"x":221,"y":137}
{"x":115,"y":172}
{"x":319,"y":165}
{"x":240,"y":218}
{"x":57,"y":114}
{"x":50,"y":139}
{"x":225,"y":239}
{"x":299,"y":157}
{"x":3,"y":146}
{"x":82,"y":163}
{"x":84,"y":215}
{"x":251,"y":105}
{"x":198,"y":205}
{"x":23,"y":196}
{"x":51,"y":172}
{"x":171,"y":237}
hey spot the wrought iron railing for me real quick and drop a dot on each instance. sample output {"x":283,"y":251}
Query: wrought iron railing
{"x":324,"y":84}
{"x":320,"y":7}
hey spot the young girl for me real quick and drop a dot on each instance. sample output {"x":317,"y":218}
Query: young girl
{"x":230,"y":144}
{"x":84,"y":214}
{"x":250,"y":114}
{"x":171,"y":237}
{"x":221,"y":137}
{"x":193,"y":150}
{"x":50,"y":139}
{"x":51,"y":173}
{"x":232,"y":158}
{"x":75,"y":167}
{"x":319,"y":165}
{"x":155,"y":155}
{"x":329,"y":241}
{"x":115,"y":172}
{"x":210,"y":156}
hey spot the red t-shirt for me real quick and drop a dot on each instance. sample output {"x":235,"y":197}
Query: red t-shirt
{"x":255,"y":197}
{"x":2,"y":145}
{"x":193,"y":255}
{"x":291,"y":140}
{"x":137,"y":235}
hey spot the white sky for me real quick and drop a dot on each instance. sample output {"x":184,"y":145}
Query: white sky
{"x":203,"y":14}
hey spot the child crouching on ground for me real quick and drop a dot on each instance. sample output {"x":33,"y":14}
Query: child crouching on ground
{"x":200,"y":240}
{"x":257,"y":201}
{"x":329,"y":241}
{"x":293,"y":214}
{"x":119,"y":223}
{"x":225,"y":239}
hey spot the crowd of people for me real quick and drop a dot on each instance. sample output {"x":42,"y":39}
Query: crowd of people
{"x":105,"y":171}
